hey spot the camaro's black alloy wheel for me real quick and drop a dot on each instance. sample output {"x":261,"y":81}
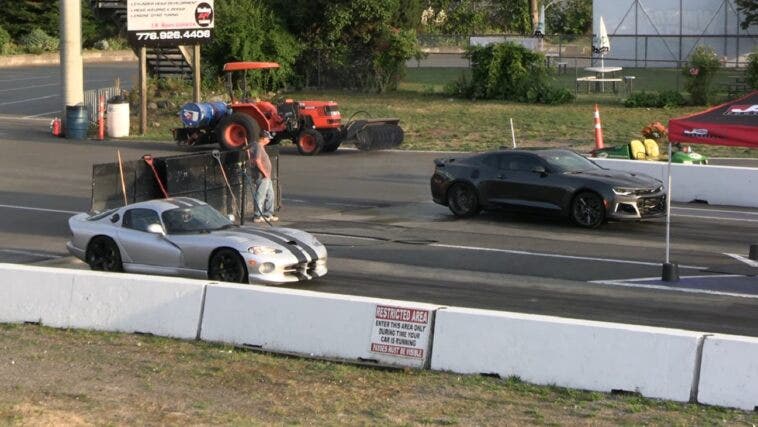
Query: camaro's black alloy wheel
{"x":227,"y":266}
{"x":103,"y":255}
{"x":462,"y":200}
{"x":587,"y":210}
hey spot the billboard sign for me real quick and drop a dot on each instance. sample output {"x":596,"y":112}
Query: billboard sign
{"x":169,"y":22}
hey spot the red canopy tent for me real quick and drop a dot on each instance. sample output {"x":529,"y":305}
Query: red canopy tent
{"x":731,"y":123}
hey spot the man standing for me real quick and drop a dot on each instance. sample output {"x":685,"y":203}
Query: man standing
{"x":262,"y":188}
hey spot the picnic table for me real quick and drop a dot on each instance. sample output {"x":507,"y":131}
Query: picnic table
{"x":599,"y":78}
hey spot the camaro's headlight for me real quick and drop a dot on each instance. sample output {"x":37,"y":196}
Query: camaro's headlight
{"x":623,"y":191}
{"x":262,"y":250}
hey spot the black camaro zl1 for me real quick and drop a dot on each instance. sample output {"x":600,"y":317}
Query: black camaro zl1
{"x":558,"y":181}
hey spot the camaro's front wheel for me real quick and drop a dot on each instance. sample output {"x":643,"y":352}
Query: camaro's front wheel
{"x":587,"y":210}
{"x":463,"y":201}
{"x":103,"y":255}
{"x":226,"y":265}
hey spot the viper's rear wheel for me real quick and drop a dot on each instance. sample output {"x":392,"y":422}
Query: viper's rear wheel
{"x":226,"y":265}
{"x":103,"y":255}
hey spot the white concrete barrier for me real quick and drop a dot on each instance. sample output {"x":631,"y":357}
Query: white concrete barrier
{"x":717,"y":185}
{"x":319,"y":325}
{"x":587,"y":355}
{"x":729,"y":372}
{"x":65,"y":298}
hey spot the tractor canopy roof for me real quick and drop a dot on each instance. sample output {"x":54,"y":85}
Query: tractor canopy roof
{"x":247,"y":65}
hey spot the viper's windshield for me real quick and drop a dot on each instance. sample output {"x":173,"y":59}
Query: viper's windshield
{"x":195,"y":219}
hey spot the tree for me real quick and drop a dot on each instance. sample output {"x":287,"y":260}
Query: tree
{"x":356,"y":44}
{"x":749,"y":11}
{"x":569,"y":17}
{"x":20,"y":17}
{"x":248,"y":30}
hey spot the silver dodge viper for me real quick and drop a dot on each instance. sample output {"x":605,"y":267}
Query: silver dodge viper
{"x":186,"y":237}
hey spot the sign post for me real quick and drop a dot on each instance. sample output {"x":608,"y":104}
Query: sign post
{"x":162,"y":23}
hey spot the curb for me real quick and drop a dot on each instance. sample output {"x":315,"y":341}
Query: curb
{"x":93,"y":57}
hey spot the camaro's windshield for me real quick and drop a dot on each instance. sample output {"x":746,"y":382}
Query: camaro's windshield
{"x":194,"y":219}
{"x":567,"y":161}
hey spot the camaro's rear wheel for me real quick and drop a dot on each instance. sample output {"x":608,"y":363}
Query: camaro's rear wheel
{"x":463,"y":201}
{"x":587,"y":210}
{"x":226,"y":265}
{"x":103,"y":255}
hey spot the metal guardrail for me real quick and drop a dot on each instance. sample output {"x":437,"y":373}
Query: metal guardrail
{"x":92,"y":97}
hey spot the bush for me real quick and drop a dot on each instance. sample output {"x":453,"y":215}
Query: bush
{"x":751,"y":73}
{"x":699,"y":72}
{"x":37,"y":41}
{"x":512,"y":72}
{"x":5,"y":41}
{"x":665,"y":99}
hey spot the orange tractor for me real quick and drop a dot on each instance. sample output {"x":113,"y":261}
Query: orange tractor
{"x":314,"y":126}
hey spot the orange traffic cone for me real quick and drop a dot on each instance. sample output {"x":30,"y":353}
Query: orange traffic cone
{"x":598,"y":131}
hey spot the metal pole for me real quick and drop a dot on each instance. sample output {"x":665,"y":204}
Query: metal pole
{"x":196,"y":72}
{"x":72,"y":74}
{"x":668,"y":211}
{"x":143,"y":89}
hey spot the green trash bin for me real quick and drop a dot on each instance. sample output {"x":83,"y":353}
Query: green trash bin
{"x":615,"y":152}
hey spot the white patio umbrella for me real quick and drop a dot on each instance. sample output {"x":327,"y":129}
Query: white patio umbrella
{"x":603,"y":42}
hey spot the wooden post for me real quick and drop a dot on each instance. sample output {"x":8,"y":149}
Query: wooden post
{"x":143,"y":90}
{"x":196,"y":72}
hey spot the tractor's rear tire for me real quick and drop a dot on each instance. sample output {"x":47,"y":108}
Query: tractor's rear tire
{"x":236,"y":131}
{"x":309,"y":142}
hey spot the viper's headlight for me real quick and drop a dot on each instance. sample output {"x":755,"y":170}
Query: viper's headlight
{"x":659,"y":188}
{"x":262,"y":250}
{"x":623,"y":191}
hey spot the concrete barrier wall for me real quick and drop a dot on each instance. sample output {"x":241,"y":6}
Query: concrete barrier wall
{"x":100,"y":301}
{"x":587,"y":355}
{"x":729,"y":372}
{"x":312,"y":324}
{"x":718,"y":185}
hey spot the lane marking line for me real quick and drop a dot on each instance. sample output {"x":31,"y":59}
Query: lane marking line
{"x":747,"y":261}
{"x":539,"y":254}
{"x":348,"y":237}
{"x":715,"y":210}
{"x":667,"y":288}
{"x":26,"y":78}
{"x":29,"y":100}
{"x":723,"y":218}
{"x":28,"y":87}
{"x":28,"y":208}
{"x":41,"y":114}
{"x":34,"y":254}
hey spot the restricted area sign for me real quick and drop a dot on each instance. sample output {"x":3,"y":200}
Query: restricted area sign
{"x":169,"y":22}
{"x":401,"y":331}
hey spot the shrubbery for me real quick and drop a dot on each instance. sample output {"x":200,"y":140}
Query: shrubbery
{"x":665,"y":99}
{"x":512,"y":72}
{"x":37,"y":41}
{"x":751,"y":72}
{"x":5,"y":41}
{"x":699,"y":72}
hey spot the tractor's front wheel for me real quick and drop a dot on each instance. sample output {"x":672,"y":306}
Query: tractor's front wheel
{"x":309,"y":142}
{"x":236,"y":131}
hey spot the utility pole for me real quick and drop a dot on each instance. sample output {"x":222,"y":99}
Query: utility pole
{"x":72,"y":73}
{"x":535,"y":12}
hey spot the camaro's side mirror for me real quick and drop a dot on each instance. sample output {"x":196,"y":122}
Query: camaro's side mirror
{"x":156,"y":229}
{"x":540,"y":170}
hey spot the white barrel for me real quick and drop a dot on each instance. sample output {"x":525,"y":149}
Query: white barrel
{"x":118,"y":120}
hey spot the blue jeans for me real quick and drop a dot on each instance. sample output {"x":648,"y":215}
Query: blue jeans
{"x":262,"y":190}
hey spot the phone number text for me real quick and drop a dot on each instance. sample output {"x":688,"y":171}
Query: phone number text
{"x":173,"y":35}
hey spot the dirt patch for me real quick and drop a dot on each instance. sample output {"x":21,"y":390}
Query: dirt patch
{"x":54,"y":377}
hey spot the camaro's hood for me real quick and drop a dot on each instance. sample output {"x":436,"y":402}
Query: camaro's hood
{"x":619,"y":178}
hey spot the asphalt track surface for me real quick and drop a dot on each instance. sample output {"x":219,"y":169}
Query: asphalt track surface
{"x":35,"y":91}
{"x":387,"y":239}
